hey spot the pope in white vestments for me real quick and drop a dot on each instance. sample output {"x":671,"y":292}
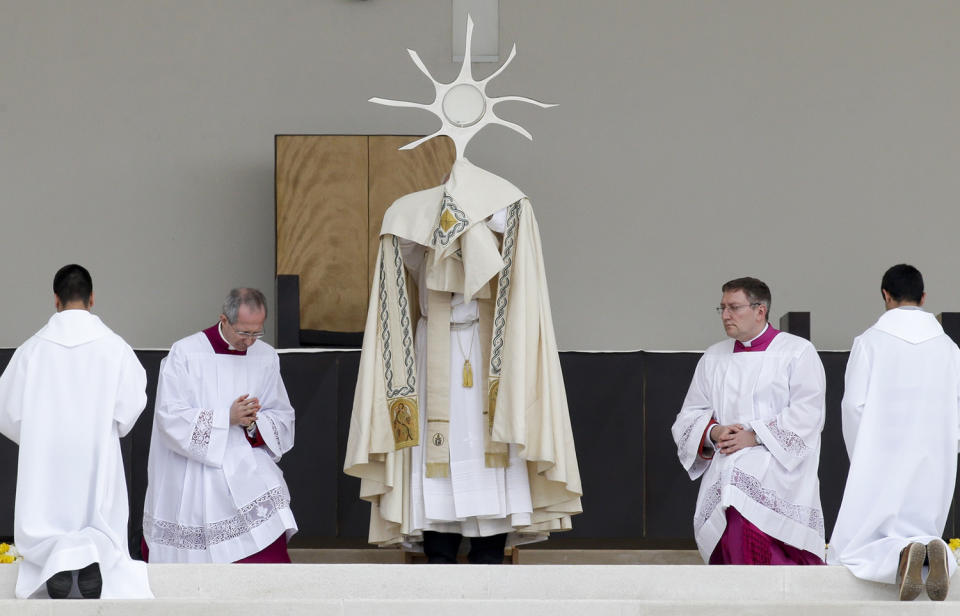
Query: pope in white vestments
{"x":221,"y":424}
{"x":901,"y":425}
{"x":67,"y":396}
{"x":750,"y":429}
{"x":460,"y":425}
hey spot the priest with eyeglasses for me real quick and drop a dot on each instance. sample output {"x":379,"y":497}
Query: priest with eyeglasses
{"x":750,"y":429}
{"x":221,"y":424}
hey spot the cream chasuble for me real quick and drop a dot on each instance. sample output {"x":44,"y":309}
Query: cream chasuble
{"x":779,"y":393}
{"x":68,"y":395}
{"x":901,"y":412}
{"x":433,"y":453}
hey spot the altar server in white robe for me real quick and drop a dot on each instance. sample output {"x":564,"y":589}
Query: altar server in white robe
{"x":222,"y":422}
{"x":68,"y":395}
{"x":901,"y":425}
{"x":750,"y":426}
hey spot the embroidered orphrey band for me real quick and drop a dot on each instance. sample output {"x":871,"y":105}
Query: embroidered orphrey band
{"x":401,"y":397}
{"x":503,"y":288}
{"x":500,"y":308}
{"x":451,"y":222}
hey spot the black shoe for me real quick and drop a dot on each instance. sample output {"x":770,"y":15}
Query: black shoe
{"x":60,"y":584}
{"x":89,"y":581}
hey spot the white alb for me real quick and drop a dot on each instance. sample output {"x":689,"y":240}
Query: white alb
{"x":68,"y":395}
{"x":901,"y":412}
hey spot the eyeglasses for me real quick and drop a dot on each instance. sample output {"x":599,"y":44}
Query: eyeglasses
{"x":734,"y":308}
{"x":254,"y":335}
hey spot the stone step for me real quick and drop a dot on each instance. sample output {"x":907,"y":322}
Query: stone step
{"x":471,"y":607}
{"x":398,"y":590}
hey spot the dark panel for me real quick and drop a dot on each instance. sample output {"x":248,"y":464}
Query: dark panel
{"x":605,"y":393}
{"x":311,"y":468}
{"x":796,"y":323}
{"x":353,"y":514}
{"x":670,"y":495}
{"x":951,"y":324}
{"x":8,"y":471}
{"x":136,"y":449}
{"x":330,"y":340}
{"x":288,"y":311}
{"x":834,"y":464}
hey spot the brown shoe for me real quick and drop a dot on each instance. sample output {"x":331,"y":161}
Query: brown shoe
{"x":938,"y":579}
{"x":909,"y":573}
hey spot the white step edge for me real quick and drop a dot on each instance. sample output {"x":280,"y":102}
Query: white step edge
{"x":524,"y":582}
{"x":498,"y":607}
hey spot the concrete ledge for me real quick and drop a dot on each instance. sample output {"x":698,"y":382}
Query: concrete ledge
{"x":500,"y":607}
{"x":324,"y":587}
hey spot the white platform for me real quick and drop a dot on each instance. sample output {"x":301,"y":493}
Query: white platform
{"x":532,"y":590}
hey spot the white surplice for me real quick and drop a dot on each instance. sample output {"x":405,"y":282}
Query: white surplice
{"x":211,"y":497}
{"x":68,"y":395}
{"x":779,"y":393}
{"x":474,"y":501}
{"x":901,"y":424}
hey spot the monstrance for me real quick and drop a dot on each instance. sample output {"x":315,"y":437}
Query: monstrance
{"x":463,"y":105}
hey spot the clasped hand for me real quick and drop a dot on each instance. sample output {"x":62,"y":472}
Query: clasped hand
{"x":731,"y":439}
{"x":243,"y":411}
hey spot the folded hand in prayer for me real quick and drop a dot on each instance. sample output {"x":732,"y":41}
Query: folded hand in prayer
{"x":243,"y":411}
{"x":731,"y":439}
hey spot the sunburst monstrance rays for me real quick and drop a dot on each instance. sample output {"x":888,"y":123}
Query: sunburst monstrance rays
{"x":463,"y":105}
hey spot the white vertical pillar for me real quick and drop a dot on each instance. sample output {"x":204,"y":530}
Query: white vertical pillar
{"x":486,"y":29}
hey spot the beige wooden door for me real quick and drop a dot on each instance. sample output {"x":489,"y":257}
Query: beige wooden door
{"x":331,"y":194}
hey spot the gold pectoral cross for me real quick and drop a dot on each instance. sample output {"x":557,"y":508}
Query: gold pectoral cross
{"x":467,"y":374}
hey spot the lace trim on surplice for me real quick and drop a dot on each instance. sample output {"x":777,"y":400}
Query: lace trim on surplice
{"x":200,"y":439}
{"x":789,"y":441}
{"x":276,"y":433}
{"x":682,"y":443}
{"x":710,"y":501}
{"x":750,"y":485}
{"x":248,"y":517}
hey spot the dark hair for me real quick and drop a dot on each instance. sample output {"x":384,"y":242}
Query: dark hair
{"x":904,"y":283}
{"x":243,"y":296}
{"x":73,"y":283}
{"x":756,"y":291}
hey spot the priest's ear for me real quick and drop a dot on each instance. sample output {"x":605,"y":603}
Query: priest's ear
{"x":887,"y":298}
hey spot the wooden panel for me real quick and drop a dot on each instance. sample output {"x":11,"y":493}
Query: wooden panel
{"x":394,"y":173}
{"x":322,"y":227}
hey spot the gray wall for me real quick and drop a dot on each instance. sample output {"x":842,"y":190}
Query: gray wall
{"x":810,"y":143}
